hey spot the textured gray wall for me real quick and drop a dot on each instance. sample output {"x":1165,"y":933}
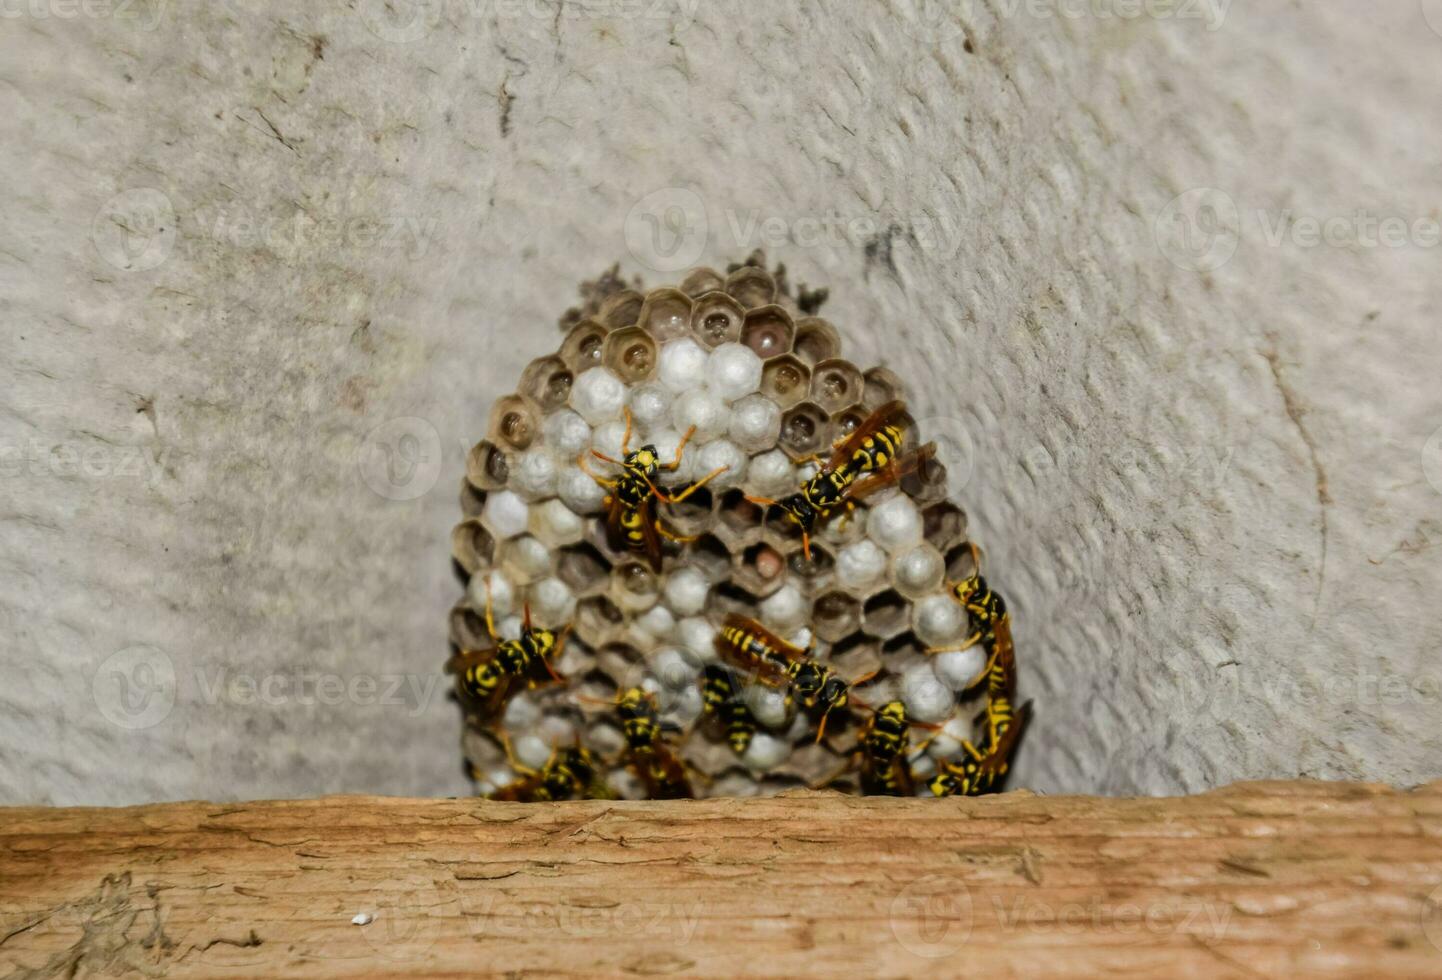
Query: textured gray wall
{"x":248,"y":244}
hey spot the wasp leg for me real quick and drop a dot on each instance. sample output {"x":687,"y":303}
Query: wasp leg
{"x":677,"y":498}
{"x":673,"y":536}
{"x":516,"y":764}
{"x":490,"y":622}
{"x":626,"y":437}
{"x":971,"y":641}
{"x":680,"y":448}
{"x":581,"y":462}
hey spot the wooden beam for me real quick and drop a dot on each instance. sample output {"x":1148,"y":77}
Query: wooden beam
{"x":1257,"y":879}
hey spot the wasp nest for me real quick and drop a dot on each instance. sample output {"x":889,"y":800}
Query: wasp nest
{"x":762,"y":384}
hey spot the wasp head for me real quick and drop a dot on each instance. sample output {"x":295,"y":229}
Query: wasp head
{"x":645,"y":459}
{"x":893,"y":711}
{"x":970,"y":586}
{"x":833,"y":693}
{"x":799,"y":510}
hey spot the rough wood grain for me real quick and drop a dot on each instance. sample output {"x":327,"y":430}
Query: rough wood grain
{"x":1257,"y":879}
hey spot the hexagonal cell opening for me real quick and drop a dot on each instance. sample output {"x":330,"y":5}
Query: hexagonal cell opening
{"x":807,"y":572}
{"x":596,"y":618}
{"x":805,"y":431}
{"x":468,"y":629}
{"x":547,"y":381}
{"x":926,"y":483}
{"x":716,"y":319}
{"x":760,"y":569}
{"x":473,"y":501}
{"x":691,"y":516}
{"x":848,"y":420}
{"x":881,"y":387}
{"x":732,"y":598}
{"x":768,"y":331}
{"x":582,"y":568}
{"x":885,"y":614}
{"x":472,"y":546}
{"x":634,"y":585}
{"x":752,"y":286}
{"x":515,"y":420}
{"x":835,"y":384}
{"x":816,"y":340}
{"x":621,"y":309}
{"x":835,"y":615}
{"x":709,"y":554}
{"x":487,"y":466}
{"x":700,"y":281}
{"x":785,"y":380}
{"x":666,"y":314}
{"x":959,"y":562}
{"x":738,"y":513}
{"x":943,"y":524}
{"x":631,"y":354}
{"x":583,"y":345}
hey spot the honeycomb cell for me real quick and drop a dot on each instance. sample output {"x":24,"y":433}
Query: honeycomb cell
{"x":524,"y":559}
{"x":895,"y":523}
{"x":737,"y":513}
{"x":598,"y":396}
{"x":758,"y":569}
{"x":656,"y":623}
{"x":835,"y":384}
{"x":634,"y":586}
{"x":515,"y":422}
{"x":697,"y":634}
{"x":815,"y":574}
{"x":547,"y":382}
{"x":752,"y":286}
{"x":534,"y":474}
{"x":755,"y":423}
{"x":724,"y":458}
{"x":847,"y":421}
{"x":927,"y":483}
{"x":926,"y":698}
{"x":716,"y":319}
{"x":621,"y":309}
{"x":769,"y":706}
{"x":805,"y":431}
{"x":835,"y":615}
{"x":607,"y":439}
{"x":581,"y":350}
{"x":553,"y":604}
{"x":711,"y":556}
{"x":566,"y":433}
{"x":918,"y":571}
{"x":487,"y":467}
{"x":959,"y":669}
{"x":666,"y":314}
{"x":943,"y":525}
{"x":768,"y":331}
{"x":468,"y":628}
{"x":630,"y":353}
{"x":785,"y":380}
{"x":733,"y":371}
{"x":885,"y":615}
{"x":939,"y":620}
{"x":698,"y":282}
{"x":521,"y":713}
{"x":673,"y":668}
{"x":816,"y":340}
{"x":651,"y":405}
{"x":785,"y":609}
{"x":556,"y":524}
{"x":582,"y":568}
{"x":472,"y":546}
{"x":959,"y":562}
{"x":506,"y":514}
{"x":765,"y":752}
{"x":881,"y":387}
{"x":860,"y":566}
{"x":597,"y":620}
{"x":473,"y":501}
{"x":692,"y":516}
{"x":683,"y":365}
{"x":771,"y":474}
{"x":703,"y":410}
{"x":579,"y":491}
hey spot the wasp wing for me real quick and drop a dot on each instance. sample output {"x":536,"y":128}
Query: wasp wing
{"x":894,"y":473}
{"x":865,"y":430}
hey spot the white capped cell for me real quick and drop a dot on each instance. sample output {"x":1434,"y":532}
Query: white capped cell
{"x":556,"y":730}
{"x":755,"y":423}
{"x":938,"y":620}
{"x":801,"y":639}
{"x":598,"y":395}
{"x":768,"y":705}
{"x":926,"y":697}
{"x":657,"y":622}
{"x":860,"y":565}
{"x":696,"y":634}
{"x":566,"y":433}
{"x":720,"y":453}
{"x":531,"y":750}
{"x":499,"y":778}
{"x":683,"y":364}
{"x":918,"y":570}
{"x":771,"y":474}
{"x":578,"y":491}
{"x":555,"y":523}
{"x":509,"y":628}
{"x":651,"y":405}
{"x":503,"y":594}
{"x":527,"y":559}
{"x":702,"y":409}
{"x":607,"y":439}
{"x":673,"y":668}
{"x":765,"y":752}
{"x":943,"y":746}
{"x":505,"y":514}
{"x":923,"y":767}
{"x":666,"y":441}
{"x":734,"y":371}
{"x":521,"y":714}
{"x":958,"y":668}
{"x":684,"y":705}
{"x":895,"y":523}
{"x":552,"y":603}
{"x":533,"y":474}
{"x":686,"y":590}
{"x":784,"y":609}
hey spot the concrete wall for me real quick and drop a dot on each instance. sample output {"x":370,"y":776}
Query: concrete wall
{"x":247,"y":245}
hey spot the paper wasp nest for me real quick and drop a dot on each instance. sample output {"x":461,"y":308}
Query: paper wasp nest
{"x":765,"y":384}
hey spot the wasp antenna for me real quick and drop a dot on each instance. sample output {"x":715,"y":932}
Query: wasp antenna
{"x":806,"y":545}
{"x":975,"y":556}
{"x":763,"y":501}
{"x":526,"y":616}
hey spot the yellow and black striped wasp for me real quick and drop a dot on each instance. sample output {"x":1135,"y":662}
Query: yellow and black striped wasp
{"x":984,"y":769}
{"x":572,"y":772}
{"x":748,"y":645}
{"x":874,"y":448}
{"x":631,"y":521}
{"x":721,"y":699}
{"x":987,"y":610}
{"x":489,"y":678}
{"x":881,"y":752}
{"x":650,"y":758}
